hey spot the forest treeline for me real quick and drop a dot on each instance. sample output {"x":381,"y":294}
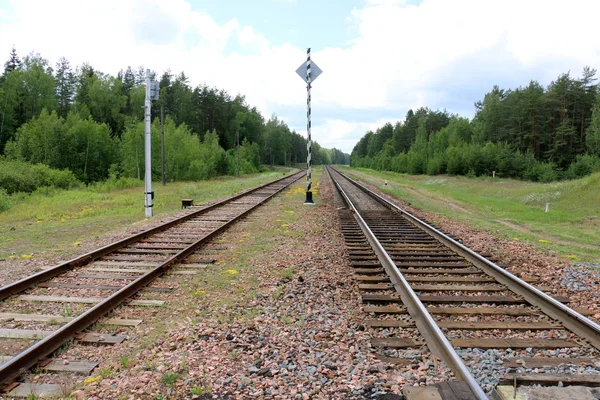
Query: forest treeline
{"x":91,"y":123}
{"x":532,"y":132}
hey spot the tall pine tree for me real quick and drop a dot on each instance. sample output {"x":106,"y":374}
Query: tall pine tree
{"x":65,"y":86}
{"x":13,"y":62}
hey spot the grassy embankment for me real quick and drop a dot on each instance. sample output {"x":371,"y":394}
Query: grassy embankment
{"x":508,"y":208}
{"x":63,"y":220}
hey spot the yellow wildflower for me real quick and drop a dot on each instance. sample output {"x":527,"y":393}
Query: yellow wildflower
{"x":92,"y":379}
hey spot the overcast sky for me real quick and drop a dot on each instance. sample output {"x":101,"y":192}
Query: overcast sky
{"x":379,"y":57}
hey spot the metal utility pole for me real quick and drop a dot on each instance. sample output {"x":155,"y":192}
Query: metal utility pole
{"x":151,"y":94}
{"x":308,"y":72}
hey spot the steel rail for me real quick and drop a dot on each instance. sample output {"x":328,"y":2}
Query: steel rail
{"x":434,"y":337}
{"x":571,"y":319}
{"x":43,"y":348}
{"x":25,"y":283}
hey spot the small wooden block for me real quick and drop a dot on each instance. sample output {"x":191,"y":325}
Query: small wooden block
{"x":380,"y":298}
{"x":462,"y":288}
{"x":428,"y":253}
{"x":98,"y":287}
{"x":34,"y":317}
{"x":507,"y":392}
{"x":59,"y":299}
{"x":101,"y":338}
{"x":571,"y":379}
{"x":470,"y":299}
{"x":125,"y":264}
{"x":166,"y":238}
{"x":175,"y":237}
{"x":499,"y":343}
{"x":29,"y":334}
{"x":104,"y":276}
{"x":379,"y":278}
{"x":388,"y":323}
{"x":466,"y":271}
{"x":480,"y":311}
{"x":421,"y":393}
{"x":145,"y":251}
{"x":384,"y":309}
{"x":541,"y":362}
{"x":121,"y":322}
{"x":528,"y":326}
{"x":160,"y":246}
{"x":455,"y":391}
{"x":396,"y":343}
{"x":27,"y":389}
{"x":104,"y":269}
{"x":375,"y":286}
{"x":366,"y":264}
{"x":443,"y":279}
{"x":121,"y":257}
{"x":368,"y":271}
{"x":436,"y":265}
{"x":74,"y":366}
{"x":85,"y":300}
{"x":183,"y":272}
{"x":151,"y":303}
{"x":56,"y":319}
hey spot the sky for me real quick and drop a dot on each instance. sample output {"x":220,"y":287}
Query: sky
{"x":379,"y":57}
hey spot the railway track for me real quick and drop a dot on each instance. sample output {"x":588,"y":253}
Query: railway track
{"x":479,"y":319}
{"x":92,"y":285}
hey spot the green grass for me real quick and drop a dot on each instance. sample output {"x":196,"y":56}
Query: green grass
{"x":60,"y":221}
{"x":509,"y":208}
{"x":169,"y":379}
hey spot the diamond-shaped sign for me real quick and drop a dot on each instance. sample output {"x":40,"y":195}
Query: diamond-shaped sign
{"x":315,"y":71}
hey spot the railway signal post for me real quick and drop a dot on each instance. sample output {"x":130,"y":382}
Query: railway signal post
{"x":308,"y":71}
{"x":152,"y":92}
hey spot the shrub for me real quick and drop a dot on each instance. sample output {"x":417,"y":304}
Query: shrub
{"x":582,"y":166}
{"x":20,"y":176}
{"x":5,"y":202}
{"x":541,"y":172}
{"x":436,"y":165}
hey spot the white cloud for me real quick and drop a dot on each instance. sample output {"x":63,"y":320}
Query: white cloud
{"x":402,"y":55}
